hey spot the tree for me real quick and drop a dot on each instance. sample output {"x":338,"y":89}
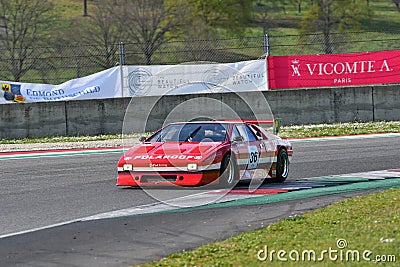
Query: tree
{"x":397,"y":4}
{"x":104,"y":30}
{"x":298,"y":2}
{"x":264,"y":11}
{"x":85,"y":13}
{"x":230,"y":15}
{"x":23,"y":23}
{"x":327,"y":16}
{"x":151,"y":23}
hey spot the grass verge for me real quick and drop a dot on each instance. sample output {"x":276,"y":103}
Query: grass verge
{"x":62,"y":139}
{"x":335,"y":129}
{"x":366,"y":227}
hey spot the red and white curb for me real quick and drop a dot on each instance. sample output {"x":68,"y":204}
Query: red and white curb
{"x":343,"y":137}
{"x":58,"y":153}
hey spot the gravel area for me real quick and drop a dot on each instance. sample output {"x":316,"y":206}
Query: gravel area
{"x":67,"y":145}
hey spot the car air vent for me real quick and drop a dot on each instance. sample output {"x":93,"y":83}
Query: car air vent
{"x":158,"y":178}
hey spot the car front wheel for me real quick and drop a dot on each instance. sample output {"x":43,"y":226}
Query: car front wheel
{"x":229,"y":173}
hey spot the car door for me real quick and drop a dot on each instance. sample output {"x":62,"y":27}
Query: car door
{"x":267,"y":146}
{"x":249,"y":149}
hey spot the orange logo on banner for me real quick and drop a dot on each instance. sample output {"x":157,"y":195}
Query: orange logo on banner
{"x":19,"y":98}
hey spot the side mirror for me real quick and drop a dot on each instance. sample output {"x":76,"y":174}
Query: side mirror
{"x":238,"y":139}
{"x":142,"y":138}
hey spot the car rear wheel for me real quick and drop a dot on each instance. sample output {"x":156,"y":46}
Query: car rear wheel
{"x":229,"y":173}
{"x":282,"y":166}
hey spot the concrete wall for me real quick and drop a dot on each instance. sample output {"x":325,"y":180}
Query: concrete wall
{"x":324,"y":105}
{"x":111,"y":116}
{"x":386,"y":103}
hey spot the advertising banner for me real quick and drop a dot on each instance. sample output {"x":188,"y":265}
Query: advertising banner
{"x":193,"y":79}
{"x":145,"y":81}
{"x":104,"y":84}
{"x":305,"y":71}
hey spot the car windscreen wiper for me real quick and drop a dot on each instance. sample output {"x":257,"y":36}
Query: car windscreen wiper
{"x":193,"y":134}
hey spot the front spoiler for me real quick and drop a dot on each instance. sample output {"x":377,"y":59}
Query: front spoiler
{"x":134,"y":178}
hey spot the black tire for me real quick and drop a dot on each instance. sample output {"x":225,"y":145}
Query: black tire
{"x":229,"y":171}
{"x":282,"y":166}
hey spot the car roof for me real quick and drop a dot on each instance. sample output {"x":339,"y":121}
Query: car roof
{"x":197,"y":122}
{"x":227,"y":121}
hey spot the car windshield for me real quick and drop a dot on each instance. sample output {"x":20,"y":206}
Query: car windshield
{"x":191,"y":132}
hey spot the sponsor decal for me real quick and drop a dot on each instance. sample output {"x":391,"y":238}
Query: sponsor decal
{"x":247,"y":78}
{"x":334,"y":69}
{"x":151,"y":165}
{"x":6,"y":87}
{"x":214,"y":77}
{"x":200,"y":78}
{"x":147,"y":157}
{"x":99,"y":85}
{"x":59,"y":94}
{"x":12,"y":92}
{"x":139,"y":80}
{"x":170,"y":83}
{"x":31,"y":92}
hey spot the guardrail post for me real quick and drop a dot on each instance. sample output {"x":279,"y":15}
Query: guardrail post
{"x":121,"y":53}
{"x":266,"y":44}
{"x":121,"y":65}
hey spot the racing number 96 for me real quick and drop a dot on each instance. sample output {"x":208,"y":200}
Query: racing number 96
{"x":253,"y":157}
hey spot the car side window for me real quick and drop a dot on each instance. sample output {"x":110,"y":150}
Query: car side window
{"x":235,"y":133}
{"x":246,"y":133}
{"x":250,"y":134}
{"x":260,"y":132}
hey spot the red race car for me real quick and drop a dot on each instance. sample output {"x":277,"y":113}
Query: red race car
{"x":203,"y":152}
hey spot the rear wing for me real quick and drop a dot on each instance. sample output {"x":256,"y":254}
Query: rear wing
{"x":275,"y":123}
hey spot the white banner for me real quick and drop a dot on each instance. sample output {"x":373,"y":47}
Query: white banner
{"x":104,"y":84}
{"x":193,"y":79}
{"x":145,"y":81}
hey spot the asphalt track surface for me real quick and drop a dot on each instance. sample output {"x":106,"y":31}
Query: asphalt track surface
{"x":44,"y":191}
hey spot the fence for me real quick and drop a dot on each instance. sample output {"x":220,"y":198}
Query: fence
{"x":334,"y":43}
{"x":55,"y":65}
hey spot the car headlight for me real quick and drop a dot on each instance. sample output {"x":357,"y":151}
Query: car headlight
{"x":127,"y":167}
{"x":192,"y":167}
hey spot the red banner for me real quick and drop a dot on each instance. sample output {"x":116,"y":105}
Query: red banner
{"x":304,"y":71}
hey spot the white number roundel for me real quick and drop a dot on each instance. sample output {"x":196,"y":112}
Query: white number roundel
{"x":254,"y":158}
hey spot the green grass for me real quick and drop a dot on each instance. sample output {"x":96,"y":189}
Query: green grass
{"x":302,"y":131}
{"x":369,"y":222}
{"x":281,"y":21}
{"x":65,"y":139}
{"x":346,"y":128}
